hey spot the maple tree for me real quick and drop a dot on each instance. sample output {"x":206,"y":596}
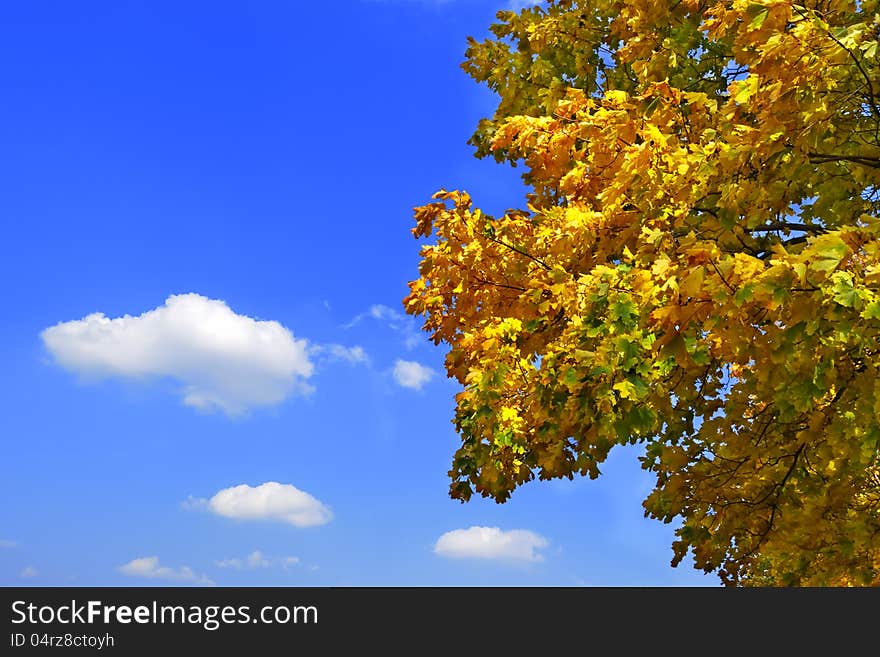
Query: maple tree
{"x":696,"y":270}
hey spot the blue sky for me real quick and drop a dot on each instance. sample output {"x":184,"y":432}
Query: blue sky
{"x":238,"y":179}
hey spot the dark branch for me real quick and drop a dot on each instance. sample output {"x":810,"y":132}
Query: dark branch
{"x":784,"y":225}
{"x":862,"y":160}
{"x":520,"y":251}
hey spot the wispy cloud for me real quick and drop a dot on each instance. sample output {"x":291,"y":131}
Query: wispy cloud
{"x":289,"y":562}
{"x":270,"y":501}
{"x":192,"y":503}
{"x":235,"y":563}
{"x":401,"y":324}
{"x":491,"y":543}
{"x":518,"y":5}
{"x":29,"y":572}
{"x":224,"y":360}
{"x":411,"y":374}
{"x":337,"y":352}
{"x":6,"y":543}
{"x":515,"y":5}
{"x":150,"y":568}
{"x":256,"y":560}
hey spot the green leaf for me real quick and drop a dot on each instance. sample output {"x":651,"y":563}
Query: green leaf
{"x":844,"y":292}
{"x":830,"y":250}
{"x":744,"y":294}
{"x":623,"y":310}
{"x":872,"y":310}
{"x":626,"y":389}
{"x":758,"y":20}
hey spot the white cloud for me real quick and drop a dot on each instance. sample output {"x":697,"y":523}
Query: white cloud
{"x":150,"y":568}
{"x":379,"y":311}
{"x":405,"y":326}
{"x":257,"y":559}
{"x":517,"y":5}
{"x":254,"y":560}
{"x":224,"y":360}
{"x":491,"y":543}
{"x":287,"y":562}
{"x":269,"y":501}
{"x":411,"y":374}
{"x":6,"y":543}
{"x":192,"y":503}
{"x":29,"y":572}
{"x":335,"y":352}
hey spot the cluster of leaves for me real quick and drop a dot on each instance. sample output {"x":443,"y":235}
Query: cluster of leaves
{"x":697,"y":271}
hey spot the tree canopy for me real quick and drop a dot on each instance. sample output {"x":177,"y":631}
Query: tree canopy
{"x":696,"y":271}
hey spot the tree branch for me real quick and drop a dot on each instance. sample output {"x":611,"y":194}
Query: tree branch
{"x":520,"y":251}
{"x":862,"y":160}
{"x":784,"y":225}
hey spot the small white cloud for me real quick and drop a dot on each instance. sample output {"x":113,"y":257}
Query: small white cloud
{"x":150,"y":568}
{"x":224,"y":360}
{"x":6,"y":543}
{"x":491,"y":543}
{"x":29,"y":572}
{"x":336,"y":352}
{"x":517,"y":5}
{"x":269,"y":501}
{"x":192,"y":503}
{"x":257,"y":559}
{"x":411,"y":374}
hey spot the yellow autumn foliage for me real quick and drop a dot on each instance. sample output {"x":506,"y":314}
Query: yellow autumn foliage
{"x":696,"y":270}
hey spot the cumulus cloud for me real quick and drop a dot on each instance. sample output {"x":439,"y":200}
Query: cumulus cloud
{"x":28,"y":572}
{"x":6,"y":543}
{"x":491,"y":543}
{"x":150,"y":568}
{"x":224,"y":360}
{"x":257,"y":559}
{"x":269,"y":501}
{"x":411,"y":374}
